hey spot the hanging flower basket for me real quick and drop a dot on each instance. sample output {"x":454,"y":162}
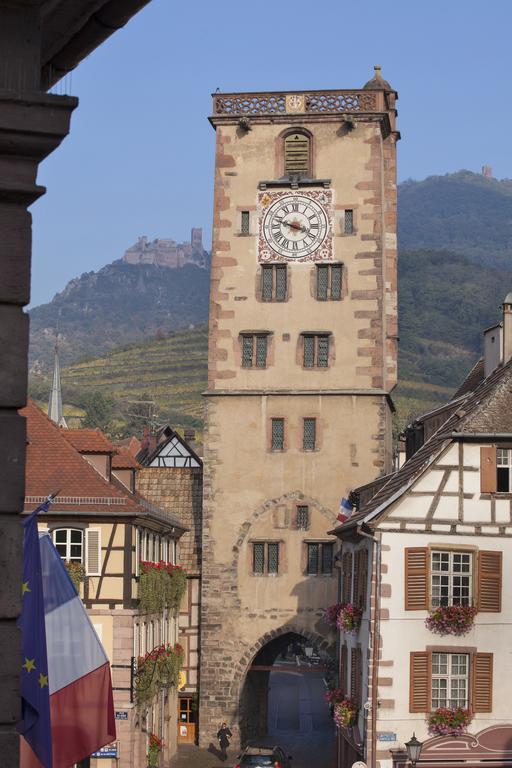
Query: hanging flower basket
{"x":76,"y":573}
{"x":449,"y":722}
{"x":344,"y":711}
{"x":154,"y":749}
{"x":349,"y":619}
{"x":451,"y":619}
{"x":331,"y":614}
{"x":161,"y":585}
{"x":160,"y":668}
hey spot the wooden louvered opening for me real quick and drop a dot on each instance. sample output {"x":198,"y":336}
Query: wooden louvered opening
{"x":416,"y":579}
{"x":482,"y":682}
{"x":489,"y":581}
{"x":296,"y":154}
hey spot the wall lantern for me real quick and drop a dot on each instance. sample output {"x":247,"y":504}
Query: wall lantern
{"x":413,"y":748}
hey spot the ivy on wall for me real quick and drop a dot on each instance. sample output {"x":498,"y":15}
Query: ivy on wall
{"x":160,"y":668}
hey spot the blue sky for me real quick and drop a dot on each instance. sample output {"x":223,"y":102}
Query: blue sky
{"x":139,"y":158}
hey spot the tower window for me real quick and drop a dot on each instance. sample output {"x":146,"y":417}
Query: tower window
{"x":328,"y":282}
{"x":296,"y":154}
{"x":254,"y":350}
{"x":348,"y":222}
{"x":274,"y":281}
{"x":316,"y":350}
{"x":277,"y":437}
{"x":302,"y":517}
{"x":265,"y":557}
{"x":245,"y":223}
{"x":320,"y":556}
{"x":309,"y":434}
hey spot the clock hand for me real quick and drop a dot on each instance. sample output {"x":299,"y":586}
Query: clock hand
{"x":294,"y":225}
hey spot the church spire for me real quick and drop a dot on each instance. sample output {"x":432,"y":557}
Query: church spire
{"x":55,"y":400}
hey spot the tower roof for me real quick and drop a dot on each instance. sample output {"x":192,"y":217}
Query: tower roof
{"x":55,"y":400}
{"x":377,"y":82}
{"x":508,"y":298}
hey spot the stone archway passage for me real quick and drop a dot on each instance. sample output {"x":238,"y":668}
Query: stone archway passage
{"x":282,"y":695}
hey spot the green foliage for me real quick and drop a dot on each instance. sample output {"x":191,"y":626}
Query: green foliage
{"x":161,"y":585}
{"x":99,"y":410}
{"x":160,"y":668}
{"x":76,"y":573}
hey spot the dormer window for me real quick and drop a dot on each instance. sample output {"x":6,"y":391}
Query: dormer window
{"x":297,"y":155}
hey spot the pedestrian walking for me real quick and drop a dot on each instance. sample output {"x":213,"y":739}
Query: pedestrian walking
{"x":224,"y":735}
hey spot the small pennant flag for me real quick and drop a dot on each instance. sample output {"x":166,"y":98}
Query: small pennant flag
{"x":345,"y":510}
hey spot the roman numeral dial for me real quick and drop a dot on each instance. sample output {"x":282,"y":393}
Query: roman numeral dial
{"x":295,"y":226}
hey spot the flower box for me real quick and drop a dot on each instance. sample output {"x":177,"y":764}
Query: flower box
{"x":344,"y":711}
{"x":331,"y":614}
{"x":160,"y":668}
{"x":349,"y":619}
{"x":451,"y":619}
{"x":449,"y":722}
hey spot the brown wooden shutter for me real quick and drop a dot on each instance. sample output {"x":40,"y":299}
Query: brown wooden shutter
{"x":420,"y":682}
{"x":343,"y":669}
{"x":357,"y":574}
{"x":356,"y":673}
{"x":482,"y":682}
{"x":488,"y":473}
{"x":489,"y":582}
{"x":346,"y":592}
{"x":363,"y":579}
{"x":416,"y":579}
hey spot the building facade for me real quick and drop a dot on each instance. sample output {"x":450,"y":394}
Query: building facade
{"x":103,"y":532}
{"x":302,"y":358}
{"x":435,"y":542}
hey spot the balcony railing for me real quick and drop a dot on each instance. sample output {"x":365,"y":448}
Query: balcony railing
{"x":300,"y":102}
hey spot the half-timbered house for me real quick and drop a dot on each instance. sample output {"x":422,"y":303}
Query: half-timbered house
{"x":425,"y":556}
{"x":103,"y":531}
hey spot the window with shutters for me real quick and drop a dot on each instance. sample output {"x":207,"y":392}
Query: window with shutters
{"x":302,"y":517}
{"x":309,"y":434}
{"x":319,"y":558}
{"x":265,"y":558}
{"x":297,"y":154}
{"x":503,"y":470}
{"x":444,"y":577}
{"x":346,"y":577}
{"x":254,"y":350}
{"x":274,"y":282}
{"x":69,"y":543}
{"x":93,"y":552}
{"x":450,"y":679}
{"x":495,"y":469}
{"x":315,"y":350}
{"x":451,"y":578}
{"x":328,"y":282}
{"x":277,"y":434}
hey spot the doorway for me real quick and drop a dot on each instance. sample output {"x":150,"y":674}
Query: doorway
{"x":187,"y":719}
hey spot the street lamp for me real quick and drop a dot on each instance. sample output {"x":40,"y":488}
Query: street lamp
{"x":413,"y":748}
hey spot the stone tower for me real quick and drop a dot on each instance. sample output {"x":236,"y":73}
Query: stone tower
{"x":302,"y":359}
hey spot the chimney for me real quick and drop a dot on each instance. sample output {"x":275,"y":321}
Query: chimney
{"x":507,"y":328}
{"x":144,"y":443}
{"x":189,"y":435}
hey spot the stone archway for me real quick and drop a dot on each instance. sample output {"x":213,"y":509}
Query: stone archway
{"x":250,"y":686}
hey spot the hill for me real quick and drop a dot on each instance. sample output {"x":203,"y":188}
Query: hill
{"x":461,"y":212}
{"x":120,"y":304}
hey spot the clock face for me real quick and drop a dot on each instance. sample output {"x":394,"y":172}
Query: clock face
{"x":295,"y":226}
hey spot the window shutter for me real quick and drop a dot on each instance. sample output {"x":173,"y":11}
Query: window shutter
{"x":363,"y":578}
{"x":347,"y":577}
{"x":489,"y":582}
{"x":356,"y":670}
{"x":343,"y":669}
{"x":416,"y":579}
{"x":482,"y":682}
{"x":488,"y":473}
{"x":357,"y":573}
{"x":420,"y":682}
{"x":93,"y":551}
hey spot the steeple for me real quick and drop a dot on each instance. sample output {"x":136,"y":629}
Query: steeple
{"x":55,"y":401}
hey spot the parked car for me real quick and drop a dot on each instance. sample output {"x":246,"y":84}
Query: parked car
{"x":263,"y":757}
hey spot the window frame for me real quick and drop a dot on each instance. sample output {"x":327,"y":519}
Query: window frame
{"x":254,"y":338}
{"x":306,"y":337}
{"x":274,"y":269}
{"x":298,"y":524}
{"x":273,"y":422}
{"x":329,"y":269}
{"x":68,"y":544}
{"x":451,"y":575}
{"x":450,"y":677}
{"x":347,"y":229}
{"x":286,"y":136}
{"x":314,"y":446}
{"x":265,"y":548}
{"x":245,"y":223}
{"x":320,"y":558}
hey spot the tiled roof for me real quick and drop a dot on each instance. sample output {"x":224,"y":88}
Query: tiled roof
{"x":123,"y":459}
{"x":472,"y":380}
{"x":88,"y":440}
{"x":486,"y":410}
{"x":53,"y":464}
{"x":132,"y":443}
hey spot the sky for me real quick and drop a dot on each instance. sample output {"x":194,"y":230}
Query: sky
{"x":139,"y":157}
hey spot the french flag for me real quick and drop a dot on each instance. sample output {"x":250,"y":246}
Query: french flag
{"x":79,"y":682}
{"x":346,"y":509}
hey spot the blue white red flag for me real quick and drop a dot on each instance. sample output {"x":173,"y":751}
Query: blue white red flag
{"x":346,"y":509}
{"x":77,"y":680}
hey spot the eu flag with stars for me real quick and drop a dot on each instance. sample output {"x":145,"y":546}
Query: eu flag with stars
{"x":35,"y":723}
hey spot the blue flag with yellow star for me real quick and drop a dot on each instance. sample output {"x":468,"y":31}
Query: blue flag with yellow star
{"x":35,"y":724}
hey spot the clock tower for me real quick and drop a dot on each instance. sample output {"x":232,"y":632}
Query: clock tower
{"x":302,"y":361}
